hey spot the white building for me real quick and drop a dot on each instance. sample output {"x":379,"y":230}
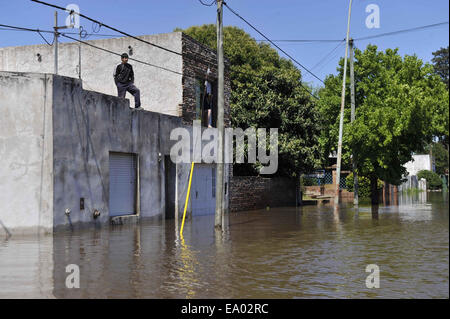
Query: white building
{"x":420,"y":162}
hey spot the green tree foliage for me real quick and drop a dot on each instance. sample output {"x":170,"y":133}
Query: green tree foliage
{"x":363,"y":185}
{"x":433,"y":179}
{"x":400,"y":104}
{"x":266,"y":93}
{"x":441,"y":158}
{"x":440,"y":63}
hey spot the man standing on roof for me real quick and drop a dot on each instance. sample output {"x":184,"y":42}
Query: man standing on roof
{"x":124,"y":79}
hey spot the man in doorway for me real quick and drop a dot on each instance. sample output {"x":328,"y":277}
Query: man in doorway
{"x":207,"y":98}
{"x":124,"y":79}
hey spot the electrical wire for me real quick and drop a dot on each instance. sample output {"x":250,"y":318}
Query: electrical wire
{"x":213,"y":2}
{"x":362,"y":38}
{"x":402,"y":31}
{"x":109,"y":27}
{"x":6,"y":27}
{"x":275,"y":45}
{"x":25,"y":29}
{"x":119,"y":54}
{"x":329,"y":60}
{"x":325,"y":57}
{"x":262,"y":78}
{"x":65,"y":34}
{"x":159,"y":67}
{"x":46,"y":39}
{"x":301,"y":41}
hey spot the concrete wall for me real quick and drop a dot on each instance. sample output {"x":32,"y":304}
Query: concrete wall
{"x":161,"y":91}
{"x":55,"y":140}
{"x":419,"y":162}
{"x":87,"y":126}
{"x":26,"y":157}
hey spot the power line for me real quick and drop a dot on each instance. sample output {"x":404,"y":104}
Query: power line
{"x":25,"y":29}
{"x":325,"y":57}
{"x":213,"y":2}
{"x":5,"y":27}
{"x":329,"y":60}
{"x":153,"y":65}
{"x":362,"y":38}
{"x":159,"y":67}
{"x":402,"y":31}
{"x":301,"y":41}
{"x":288,"y":55}
{"x":119,"y":54}
{"x":107,"y":26}
{"x":46,"y":39}
{"x":262,"y":78}
{"x":65,"y":34}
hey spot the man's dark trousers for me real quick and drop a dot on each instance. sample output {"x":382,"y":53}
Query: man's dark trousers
{"x":123,"y":88}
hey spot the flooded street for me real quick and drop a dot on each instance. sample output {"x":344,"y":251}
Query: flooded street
{"x":307,"y":252}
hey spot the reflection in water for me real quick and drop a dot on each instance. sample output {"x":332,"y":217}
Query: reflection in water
{"x":305,"y":252}
{"x":188,"y":274}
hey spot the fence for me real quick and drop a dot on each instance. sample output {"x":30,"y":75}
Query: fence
{"x":324,"y":177}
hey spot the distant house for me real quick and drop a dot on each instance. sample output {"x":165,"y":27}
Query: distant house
{"x":420,"y":162}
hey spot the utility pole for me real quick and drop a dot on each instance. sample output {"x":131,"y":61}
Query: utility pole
{"x":341,"y":120}
{"x":220,"y":124}
{"x":55,"y":41}
{"x":79,"y":54}
{"x":352,"y":101}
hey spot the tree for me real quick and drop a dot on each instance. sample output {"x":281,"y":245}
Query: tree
{"x":398,"y":101}
{"x":433,"y":179}
{"x":266,"y":92}
{"x":440,"y":62}
{"x":441,"y":158}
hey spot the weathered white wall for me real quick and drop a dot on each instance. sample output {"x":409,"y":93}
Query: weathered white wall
{"x":419,"y":162}
{"x":55,"y":139}
{"x":26,"y":155}
{"x":161,"y":91}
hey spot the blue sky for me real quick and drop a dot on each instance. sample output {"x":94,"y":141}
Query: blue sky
{"x":284,"y":19}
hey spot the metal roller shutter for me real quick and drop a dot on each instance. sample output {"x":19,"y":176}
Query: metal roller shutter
{"x":122,"y":184}
{"x":203,"y":190}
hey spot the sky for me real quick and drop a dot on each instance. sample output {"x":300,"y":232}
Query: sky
{"x":283,"y":19}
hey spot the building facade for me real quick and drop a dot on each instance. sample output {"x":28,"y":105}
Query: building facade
{"x":74,"y":156}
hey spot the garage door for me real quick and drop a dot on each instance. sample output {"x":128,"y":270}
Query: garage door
{"x":203,"y":190}
{"x":122,"y":184}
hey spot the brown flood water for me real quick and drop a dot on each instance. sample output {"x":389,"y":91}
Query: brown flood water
{"x":308,"y":252}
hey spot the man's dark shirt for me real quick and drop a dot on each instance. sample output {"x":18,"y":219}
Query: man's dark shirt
{"x":124,"y":74}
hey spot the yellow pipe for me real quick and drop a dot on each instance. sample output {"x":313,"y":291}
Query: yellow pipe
{"x":187,"y":199}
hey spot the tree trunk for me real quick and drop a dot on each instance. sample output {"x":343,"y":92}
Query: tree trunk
{"x":374,"y":195}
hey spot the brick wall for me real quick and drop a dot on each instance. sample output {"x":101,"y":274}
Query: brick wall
{"x":196,"y":60}
{"x":255,"y":192}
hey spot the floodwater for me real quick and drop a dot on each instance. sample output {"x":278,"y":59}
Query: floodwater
{"x":308,"y":252}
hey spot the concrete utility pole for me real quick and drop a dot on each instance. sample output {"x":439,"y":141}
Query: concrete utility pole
{"x":220,"y":124}
{"x":341,"y":120}
{"x":55,"y":41}
{"x":352,"y":101}
{"x":79,"y":54}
